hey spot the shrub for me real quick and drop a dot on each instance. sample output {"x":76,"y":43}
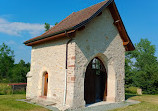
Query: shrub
{"x":131,"y":90}
{"x":19,"y":91}
{"x":5,"y":89}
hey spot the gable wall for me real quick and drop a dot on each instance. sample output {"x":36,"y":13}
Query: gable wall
{"x":100,"y":38}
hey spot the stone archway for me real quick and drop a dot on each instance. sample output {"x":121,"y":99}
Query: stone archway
{"x":95,"y":82}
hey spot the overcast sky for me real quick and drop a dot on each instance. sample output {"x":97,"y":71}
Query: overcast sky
{"x":21,"y":20}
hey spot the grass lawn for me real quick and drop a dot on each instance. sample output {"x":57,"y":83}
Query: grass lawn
{"x":148,"y":103}
{"x":9,"y":103}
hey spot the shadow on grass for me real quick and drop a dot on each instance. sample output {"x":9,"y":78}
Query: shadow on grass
{"x":127,"y":96}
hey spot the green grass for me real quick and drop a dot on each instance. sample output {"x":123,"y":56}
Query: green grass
{"x":9,"y":103}
{"x":148,"y":103}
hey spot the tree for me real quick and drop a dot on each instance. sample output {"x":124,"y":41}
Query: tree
{"x":47,"y":26}
{"x":56,"y":23}
{"x":10,"y":72}
{"x":19,"y":71}
{"x":128,"y":71}
{"x":143,"y":72}
{"x":6,"y":62}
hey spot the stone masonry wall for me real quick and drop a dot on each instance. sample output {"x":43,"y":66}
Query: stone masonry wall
{"x":100,"y":38}
{"x":50,"y":57}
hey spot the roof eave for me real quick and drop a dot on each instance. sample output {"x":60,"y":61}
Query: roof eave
{"x":120,"y":26}
{"x":61,"y":35}
{"x":115,"y":15}
{"x":47,"y":36}
{"x":72,"y":28}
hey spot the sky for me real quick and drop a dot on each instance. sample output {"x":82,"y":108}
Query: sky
{"x":21,"y":20}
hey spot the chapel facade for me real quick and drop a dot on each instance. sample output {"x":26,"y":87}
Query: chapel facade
{"x":81,"y":60}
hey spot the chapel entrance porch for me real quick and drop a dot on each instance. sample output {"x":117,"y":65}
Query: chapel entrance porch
{"x":95,"y":83}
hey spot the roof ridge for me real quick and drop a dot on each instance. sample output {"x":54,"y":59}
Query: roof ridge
{"x":94,"y":14}
{"x":93,"y":5}
{"x":73,"y":21}
{"x":74,"y":13}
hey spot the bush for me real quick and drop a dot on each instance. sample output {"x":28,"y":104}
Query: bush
{"x":19,"y":91}
{"x":131,"y":90}
{"x":5,"y":89}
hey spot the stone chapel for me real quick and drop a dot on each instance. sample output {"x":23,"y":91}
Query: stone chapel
{"x":80,"y":60}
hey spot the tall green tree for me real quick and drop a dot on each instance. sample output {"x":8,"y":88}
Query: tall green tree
{"x":128,"y":70}
{"x":143,"y":72}
{"x":19,"y":71}
{"x":10,"y":72}
{"x":6,"y":62}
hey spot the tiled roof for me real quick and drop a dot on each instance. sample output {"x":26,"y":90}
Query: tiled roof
{"x":78,"y":19}
{"x":73,"y":20}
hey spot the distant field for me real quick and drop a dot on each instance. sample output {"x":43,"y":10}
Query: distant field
{"x":9,"y":103}
{"x":148,"y":103}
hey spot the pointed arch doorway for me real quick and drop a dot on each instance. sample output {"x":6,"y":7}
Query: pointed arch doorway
{"x":95,"y":83}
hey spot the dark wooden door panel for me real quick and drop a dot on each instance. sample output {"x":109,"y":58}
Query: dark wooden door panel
{"x":45,"y":84}
{"x":95,"y":84}
{"x":90,"y":86}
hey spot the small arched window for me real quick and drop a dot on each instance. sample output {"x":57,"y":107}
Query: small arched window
{"x":97,"y":65}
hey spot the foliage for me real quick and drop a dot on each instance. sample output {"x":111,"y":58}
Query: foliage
{"x":128,"y":71}
{"x":19,"y":91}
{"x":56,"y":23}
{"x":19,"y":72}
{"x":6,"y":62}
{"x":142,"y":67}
{"x":47,"y":26}
{"x":5,"y":89}
{"x":131,"y":90}
{"x":9,"y":71}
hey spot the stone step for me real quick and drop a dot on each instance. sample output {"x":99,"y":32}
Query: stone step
{"x":45,"y":102}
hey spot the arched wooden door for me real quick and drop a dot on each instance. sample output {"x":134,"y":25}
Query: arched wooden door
{"x":45,"y":84}
{"x":95,"y":84}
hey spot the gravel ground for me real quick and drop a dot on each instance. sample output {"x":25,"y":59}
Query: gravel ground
{"x":106,"y":107}
{"x":101,"y":106}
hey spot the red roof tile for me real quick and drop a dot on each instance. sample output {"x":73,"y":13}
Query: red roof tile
{"x":81,"y":18}
{"x":76,"y":18}
{"x":73,"y":20}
